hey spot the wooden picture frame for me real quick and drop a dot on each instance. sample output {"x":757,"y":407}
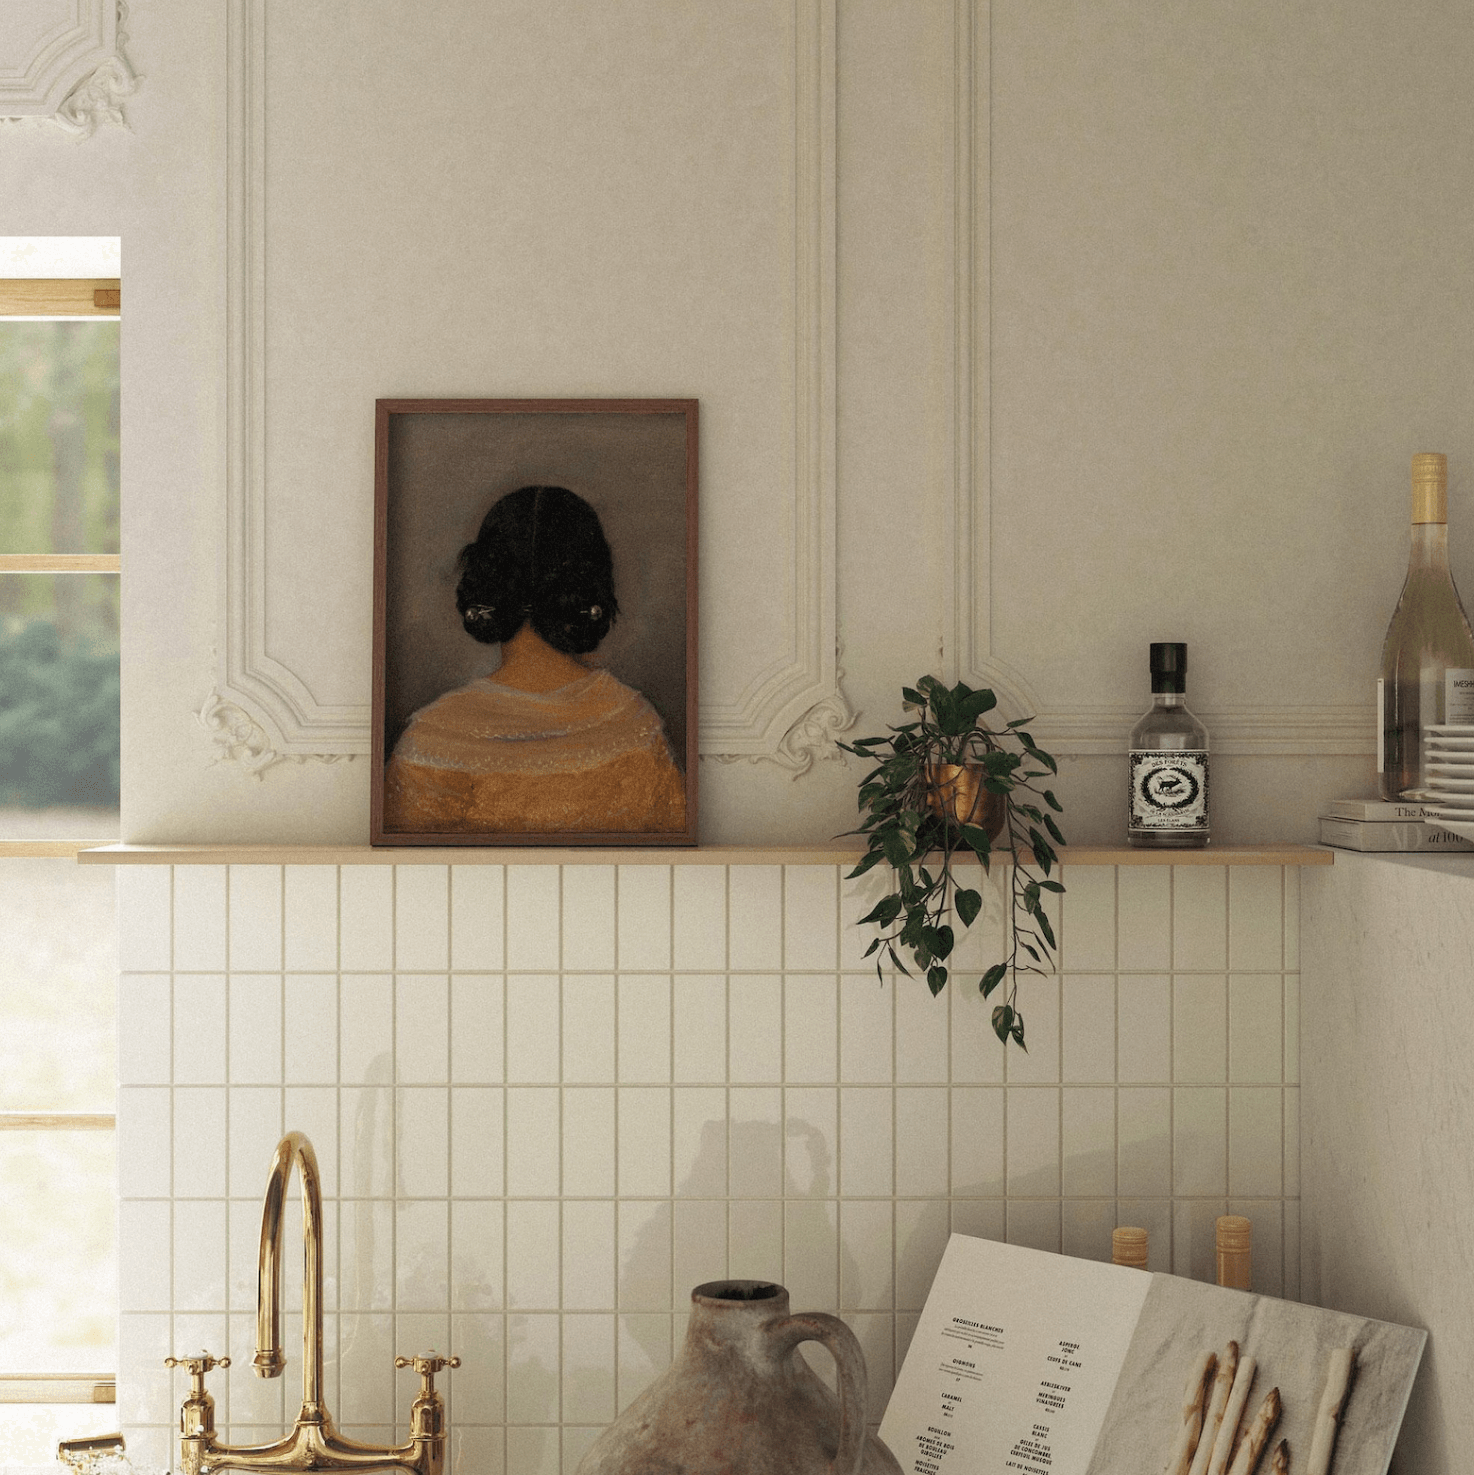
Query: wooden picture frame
{"x":547,"y":756}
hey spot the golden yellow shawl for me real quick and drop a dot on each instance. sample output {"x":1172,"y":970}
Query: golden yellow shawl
{"x":591,"y":756}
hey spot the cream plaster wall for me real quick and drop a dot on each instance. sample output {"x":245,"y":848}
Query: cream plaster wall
{"x":1388,"y":1123}
{"x":1024,"y":334}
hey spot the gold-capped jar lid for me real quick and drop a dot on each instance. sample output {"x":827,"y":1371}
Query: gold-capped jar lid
{"x":1430,"y":487}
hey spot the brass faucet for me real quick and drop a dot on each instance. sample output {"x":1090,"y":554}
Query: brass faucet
{"x":314,"y":1444}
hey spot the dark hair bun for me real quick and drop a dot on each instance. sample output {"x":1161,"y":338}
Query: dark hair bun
{"x":541,"y":555}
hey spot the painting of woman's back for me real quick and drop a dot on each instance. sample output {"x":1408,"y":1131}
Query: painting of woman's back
{"x":549,"y":744}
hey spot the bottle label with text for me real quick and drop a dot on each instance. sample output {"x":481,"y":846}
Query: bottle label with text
{"x":1169,"y":790}
{"x":1458,"y":696}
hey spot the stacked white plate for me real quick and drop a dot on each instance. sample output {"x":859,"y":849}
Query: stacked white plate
{"x":1448,"y":758}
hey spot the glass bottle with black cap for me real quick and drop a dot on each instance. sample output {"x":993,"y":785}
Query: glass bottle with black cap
{"x":1168,"y":761}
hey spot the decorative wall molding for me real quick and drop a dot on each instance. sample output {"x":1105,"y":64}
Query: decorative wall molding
{"x":241,"y":739}
{"x":1234,"y":731}
{"x":799,"y":692}
{"x":790,"y":710}
{"x":71,"y":77}
{"x":1099,"y":729}
{"x":971,"y":510}
{"x":812,"y":739}
{"x":275,"y":698}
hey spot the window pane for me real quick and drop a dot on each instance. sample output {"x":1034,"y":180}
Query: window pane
{"x":59,"y":437}
{"x":29,"y":1432}
{"x":59,"y":683}
{"x":58,"y":938}
{"x":58,"y":1276}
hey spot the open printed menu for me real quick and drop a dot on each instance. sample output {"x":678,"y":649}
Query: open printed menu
{"x":1027,"y":1363}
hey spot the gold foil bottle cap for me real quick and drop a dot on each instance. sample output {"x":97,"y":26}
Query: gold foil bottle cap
{"x":1430,"y":487}
{"x":1128,"y":1247}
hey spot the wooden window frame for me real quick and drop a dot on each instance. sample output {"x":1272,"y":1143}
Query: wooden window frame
{"x":57,"y":297}
{"x":70,"y":297}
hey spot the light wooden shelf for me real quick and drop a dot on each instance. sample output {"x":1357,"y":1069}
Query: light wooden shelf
{"x":56,"y":849}
{"x":843,"y":853}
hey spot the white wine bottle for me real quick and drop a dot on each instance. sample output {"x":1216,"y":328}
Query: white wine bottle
{"x":1235,"y":1248}
{"x":1168,"y":761}
{"x":1428,"y":657}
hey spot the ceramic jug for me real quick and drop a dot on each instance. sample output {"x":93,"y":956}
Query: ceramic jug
{"x":740,"y":1400}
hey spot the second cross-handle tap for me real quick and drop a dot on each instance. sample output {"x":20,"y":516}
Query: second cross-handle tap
{"x":427,"y":1413}
{"x":197,"y":1415}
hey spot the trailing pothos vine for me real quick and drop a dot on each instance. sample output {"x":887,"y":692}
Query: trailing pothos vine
{"x":925,"y":803}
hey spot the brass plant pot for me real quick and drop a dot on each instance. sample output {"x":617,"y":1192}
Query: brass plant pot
{"x":957,"y":793}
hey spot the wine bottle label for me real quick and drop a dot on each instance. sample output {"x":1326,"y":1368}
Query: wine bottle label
{"x":1381,"y":727}
{"x":1458,"y":696}
{"x":1169,"y":790}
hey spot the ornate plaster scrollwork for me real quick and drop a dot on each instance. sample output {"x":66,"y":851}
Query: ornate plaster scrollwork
{"x":811,"y":739}
{"x":97,"y":99}
{"x":88,"y":69}
{"x":241,"y":739}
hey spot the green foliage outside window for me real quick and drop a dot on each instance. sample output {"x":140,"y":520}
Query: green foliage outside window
{"x":58,"y":719}
{"x":59,"y":677}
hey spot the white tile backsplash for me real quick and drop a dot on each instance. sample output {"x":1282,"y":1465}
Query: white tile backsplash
{"x":199,"y":919}
{"x":1255,"y":922}
{"x":536,"y":1137}
{"x":145,"y":1040}
{"x":421,"y":918}
{"x":366,"y":901}
{"x":534,"y":911}
{"x":810,"y":921}
{"x":588,"y":918}
{"x":1088,"y":1028}
{"x":477,"y":909}
{"x":1089,"y":940}
{"x":699,"y":1027}
{"x":1144,"y":918}
{"x":1199,"y":917}
{"x":145,"y":907}
{"x":1200,"y":1027}
{"x":1256,"y":1028}
{"x":255,"y":933}
{"x":755,"y":917}
{"x":644,"y":918}
{"x":310,"y":917}
{"x":699,"y":917}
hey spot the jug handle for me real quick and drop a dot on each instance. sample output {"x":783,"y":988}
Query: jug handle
{"x":816,"y":1326}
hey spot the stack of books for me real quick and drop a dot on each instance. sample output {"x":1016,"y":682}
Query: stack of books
{"x":1372,"y":824}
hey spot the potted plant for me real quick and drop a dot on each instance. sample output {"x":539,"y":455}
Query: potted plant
{"x":944,"y":785}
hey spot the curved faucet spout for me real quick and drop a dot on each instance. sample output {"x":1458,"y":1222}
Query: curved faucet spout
{"x":293,"y":1149}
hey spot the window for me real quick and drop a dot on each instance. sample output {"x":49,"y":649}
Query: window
{"x":59,"y":740}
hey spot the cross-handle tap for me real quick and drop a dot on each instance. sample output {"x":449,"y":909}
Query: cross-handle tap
{"x":197,"y":1413}
{"x":313,"y":1444}
{"x":427,"y":1413}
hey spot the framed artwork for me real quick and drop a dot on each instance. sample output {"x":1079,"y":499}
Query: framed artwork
{"x":534,"y":622}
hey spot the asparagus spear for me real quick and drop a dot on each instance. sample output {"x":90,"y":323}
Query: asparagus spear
{"x":1228,"y":1430}
{"x":1280,"y":1465}
{"x":1193,"y":1398}
{"x":1328,"y":1416}
{"x":1251,"y":1446}
{"x":1228,"y":1365}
